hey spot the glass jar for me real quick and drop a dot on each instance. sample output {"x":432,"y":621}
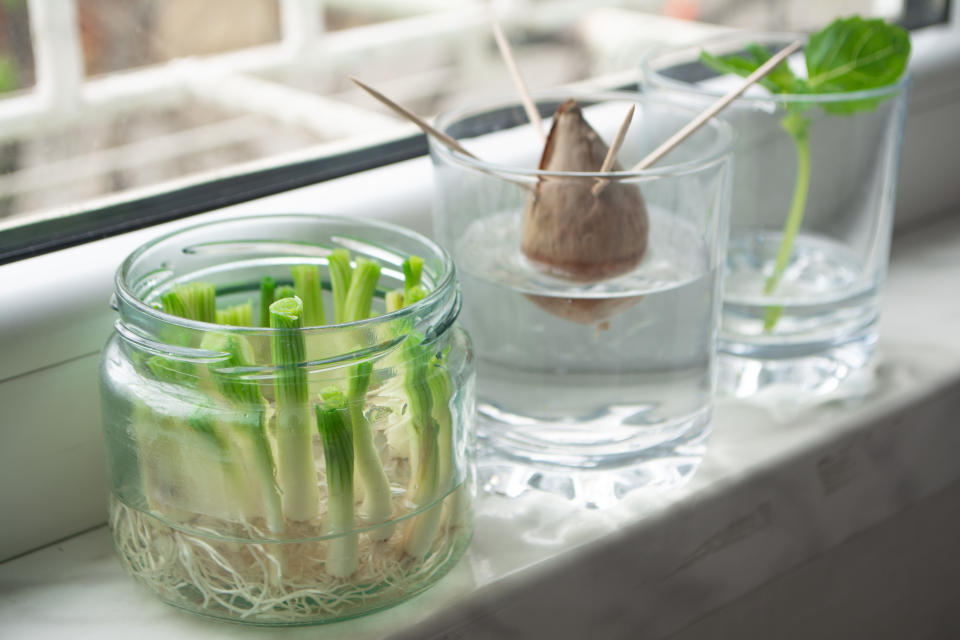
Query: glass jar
{"x":296,"y":489}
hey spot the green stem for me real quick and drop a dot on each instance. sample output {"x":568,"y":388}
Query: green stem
{"x":238,"y":315}
{"x":424,"y":449}
{"x":217,"y":485}
{"x":377,"y":498}
{"x":283,"y":291}
{"x":306,"y":282}
{"x":267,"y":288}
{"x":798,"y":127}
{"x":393,"y":300}
{"x":338,"y":453}
{"x":248,"y":423}
{"x":340,"y":272}
{"x":440,"y":389}
{"x":193,"y":301}
{"x":297,"y":473}
{"x":363,"y":284}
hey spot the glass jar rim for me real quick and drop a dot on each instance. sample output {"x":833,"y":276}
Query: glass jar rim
{"x":720,"y":148}
{"x":657,"y":79}
{"x":447,"y":277}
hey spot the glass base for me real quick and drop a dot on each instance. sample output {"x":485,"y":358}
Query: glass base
{"x":807,"y":376}
{"x":270,"y":583}
{"x":592,"y":479}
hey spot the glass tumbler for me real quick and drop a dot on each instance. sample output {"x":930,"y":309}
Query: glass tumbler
{"x":595,"y":371}
{"x":810,"y":223}
{"x":287,"y":475}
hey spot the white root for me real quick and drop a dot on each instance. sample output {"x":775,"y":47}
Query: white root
{"x":271,"y":583}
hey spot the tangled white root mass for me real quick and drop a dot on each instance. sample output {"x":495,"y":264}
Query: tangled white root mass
{"x":273,"y":582}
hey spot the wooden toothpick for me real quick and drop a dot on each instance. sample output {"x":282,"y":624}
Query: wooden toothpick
{"x":716,"y":107}
{"x":430,"y":130}
{"x":611,"y":158}
{"x":528,"y":105}
{"x":426,"y":127}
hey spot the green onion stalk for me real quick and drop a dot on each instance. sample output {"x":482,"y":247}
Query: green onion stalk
{"x":394,"y":300}
{"x":440,"y":388}
{"x":283,"y":291}
{"x":340,"y":275}
{"x":294,"y":434}
{"x":363,"y":284}
{"x":333,"y":423}
{"x":215,"y":489}
{"x":306,"y":284}
{"x":424,"y":486}
{"x":193,"y":301}
{"x":377,"y":497}
{"x":268,"y":287}
{"x":427,"y":398}
{"x":240,"y":315}
{"x":163,"y":477}
{"x":353,"y":303}
{"x":248,"y":425}
{"x":169,"y":441}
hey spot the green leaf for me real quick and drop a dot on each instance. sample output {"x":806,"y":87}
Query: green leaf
{"x":780,"y":80}
{"x":782,"y":75}
{"x":853,"y":54}
{"x":737,"y":65}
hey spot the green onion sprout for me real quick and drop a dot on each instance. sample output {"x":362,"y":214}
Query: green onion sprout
{"x":363,"y":284}
{"x":340,"y":275}
{"x":335,"y":432}
{"x":268,"y":287}
{"x":424,"y":456}
{"x":378,"y":500}
{"x":306,"y":284}
{"x":249,"y":423}
{"x":297,"y":473}
{"x":239,"y":315}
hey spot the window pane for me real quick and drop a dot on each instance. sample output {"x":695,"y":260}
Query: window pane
{"x":135,"y":150}
{"x":16,"y":51}
{"x":120,"y":35}
{"x":101,"y":99}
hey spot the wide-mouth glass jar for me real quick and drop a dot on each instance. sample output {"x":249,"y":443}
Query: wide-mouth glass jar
{"x":288,"y":474}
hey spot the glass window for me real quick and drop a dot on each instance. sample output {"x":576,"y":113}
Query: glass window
{"x":105,"y":102}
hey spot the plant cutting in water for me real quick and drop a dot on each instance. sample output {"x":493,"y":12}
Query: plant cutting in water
{"x":591,"y":232}
{"x":850,"y":55}
{"x":577,"y":228}
{"x":286,"y":502}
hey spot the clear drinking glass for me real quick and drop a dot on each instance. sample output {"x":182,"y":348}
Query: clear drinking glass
{"x":592,"y":387}
{"x":803,"y":327}
{"x":217,"y":503}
